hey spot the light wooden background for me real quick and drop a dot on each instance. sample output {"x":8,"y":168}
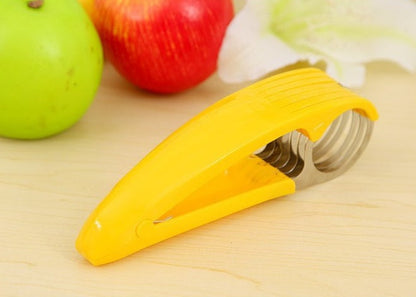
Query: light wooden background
{"x":353,"y":236}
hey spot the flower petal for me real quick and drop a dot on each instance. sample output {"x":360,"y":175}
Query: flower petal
{"x":350,"y":75}
{"x":250,"y":50}
{"x":269,"y":34}
{"x":367,"y":31}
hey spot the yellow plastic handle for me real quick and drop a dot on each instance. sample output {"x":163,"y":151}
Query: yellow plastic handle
{"x":206,"y":170}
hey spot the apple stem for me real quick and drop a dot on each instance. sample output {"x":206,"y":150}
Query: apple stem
{"x":35,"y":3}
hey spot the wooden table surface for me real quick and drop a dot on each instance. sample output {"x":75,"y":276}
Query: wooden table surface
{"x":353,"y":236}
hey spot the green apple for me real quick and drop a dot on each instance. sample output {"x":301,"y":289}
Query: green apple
{"x":50,"y":66}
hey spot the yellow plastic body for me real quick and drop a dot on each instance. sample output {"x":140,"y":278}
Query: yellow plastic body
{"x":206,"y":169}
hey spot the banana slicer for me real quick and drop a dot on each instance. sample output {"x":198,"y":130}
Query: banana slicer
{"x":281,"y":134}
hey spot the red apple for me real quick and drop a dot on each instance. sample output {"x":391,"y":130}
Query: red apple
{"x":164,"y":46}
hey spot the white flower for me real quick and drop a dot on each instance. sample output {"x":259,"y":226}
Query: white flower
{"x":269,"y":34}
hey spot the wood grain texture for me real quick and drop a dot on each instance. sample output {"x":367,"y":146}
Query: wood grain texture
{"x":353,"y":236}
